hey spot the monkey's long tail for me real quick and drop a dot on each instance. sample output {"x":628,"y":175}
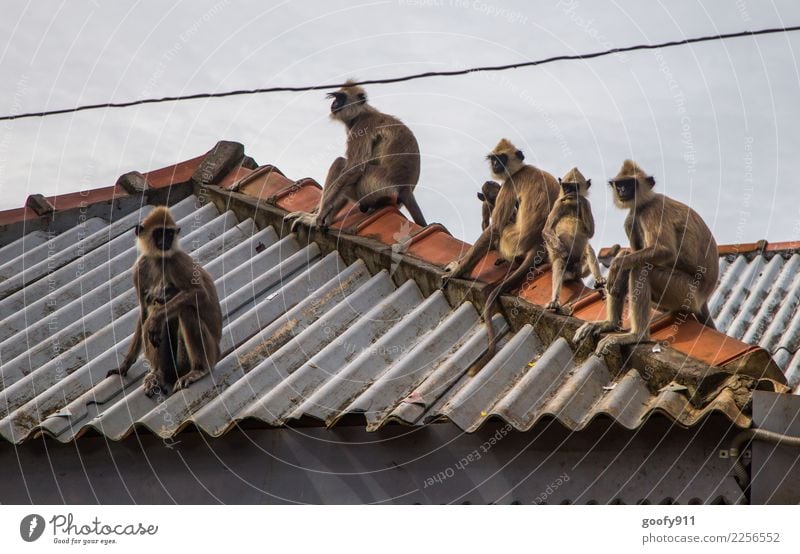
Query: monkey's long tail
{"x":705,"y":317}
{"x":509,"y":282}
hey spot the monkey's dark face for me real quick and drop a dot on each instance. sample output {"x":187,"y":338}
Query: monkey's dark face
{"x":570,"y":189}
{"x":498,"y":163}
{"x":339,"y":101}
{"x":342,"y":101}
{"x":163,"y":238}
{"x":505,"y":164}
{"x":624,"y":189}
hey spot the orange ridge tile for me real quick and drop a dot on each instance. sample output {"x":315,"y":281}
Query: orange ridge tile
{"x":233,"y":177}
{"x":698,"y":341}
{"x":172,"y":174}
{"x":745,"y":248}
{"x":85,"y":198}
{"x":15,"y":215}
{"x":787,"y":245}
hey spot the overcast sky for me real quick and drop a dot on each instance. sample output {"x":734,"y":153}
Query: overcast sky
{"x":717,"y":124}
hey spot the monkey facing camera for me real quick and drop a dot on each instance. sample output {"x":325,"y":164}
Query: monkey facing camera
{"x":180,"y":320}
{"x":522,"y":205}
{"x":567,"y":231}
{"x":672,"y":263}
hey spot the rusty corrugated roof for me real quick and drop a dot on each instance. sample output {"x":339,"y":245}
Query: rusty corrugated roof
{"x":311,"y":332}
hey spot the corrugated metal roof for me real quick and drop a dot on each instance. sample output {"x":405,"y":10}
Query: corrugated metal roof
{"x":757,"y":300}
{"x":306,"y":336}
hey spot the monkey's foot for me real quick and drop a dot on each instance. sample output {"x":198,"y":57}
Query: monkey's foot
{"x":617,"y":339}
{"x":151,"y":386}
{"x":306,"y":218}
{"x":451,"y":268}
{"x":450,"y":271}
{"x":590,"y":329}
{"x":188,"y":379}
{"x":553,"y":306}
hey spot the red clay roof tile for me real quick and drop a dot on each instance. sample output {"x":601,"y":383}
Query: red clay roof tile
{"x":85,"y":198}
{"x":172,"y":174}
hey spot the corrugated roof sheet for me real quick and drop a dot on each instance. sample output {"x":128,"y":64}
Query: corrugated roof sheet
{"x":757,"y":300}
{"x":306,"y":336}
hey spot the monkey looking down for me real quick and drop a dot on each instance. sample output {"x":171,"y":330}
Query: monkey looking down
{"x":567,"y":231}
{"x":381,"y":163}
{"x":673,"y":261}
{"x":488,"y":197}
{"x":180,"y":320}
{"x":526,"y":196}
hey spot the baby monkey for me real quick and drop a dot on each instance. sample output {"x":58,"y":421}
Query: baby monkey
{"x":567,"y":231}
{"x":488,"y":196}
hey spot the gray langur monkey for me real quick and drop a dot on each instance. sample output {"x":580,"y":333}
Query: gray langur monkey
{"x":567,"y":231}
{"x":525,"y":199}
{"x":381,"y":163}
{"x":180,"y":320}
{"x":672,"y":264}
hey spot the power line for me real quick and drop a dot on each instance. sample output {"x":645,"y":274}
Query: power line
{"x":412,"y":77}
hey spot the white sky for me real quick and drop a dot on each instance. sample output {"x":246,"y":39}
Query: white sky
{"x":717,"y":124}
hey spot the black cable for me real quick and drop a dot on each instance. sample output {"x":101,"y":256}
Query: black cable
{"x":406,"y":77}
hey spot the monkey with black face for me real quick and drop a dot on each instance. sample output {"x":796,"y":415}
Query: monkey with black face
{"x":525,"y":199}
{"x":488,"y":197}
{"x":567,"y":231}
{"x":381,"y":164}
{"x":180,"y":320}
{"x":673,"y":261}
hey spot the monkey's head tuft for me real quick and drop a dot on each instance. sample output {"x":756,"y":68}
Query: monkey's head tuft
{"x":632,"y":186}
{"x":574,"y":183}
{"x":157,"y":233}
{"x":505,"y":160}
{"x":349,"y":102}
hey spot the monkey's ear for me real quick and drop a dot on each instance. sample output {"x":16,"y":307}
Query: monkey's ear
{"x":520,"y":155}
{"x":362,"y":98}
{"x":138,"y":229}
{"x":481,"y":197}
{"x":651,"y":181}
{"x":588,"y":183}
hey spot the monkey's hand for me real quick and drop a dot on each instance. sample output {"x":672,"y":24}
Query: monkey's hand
{"x":600,"y":283}
{"x":620,"y":262}
{"x":591,"y":329}
{"x":150,"y":385}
